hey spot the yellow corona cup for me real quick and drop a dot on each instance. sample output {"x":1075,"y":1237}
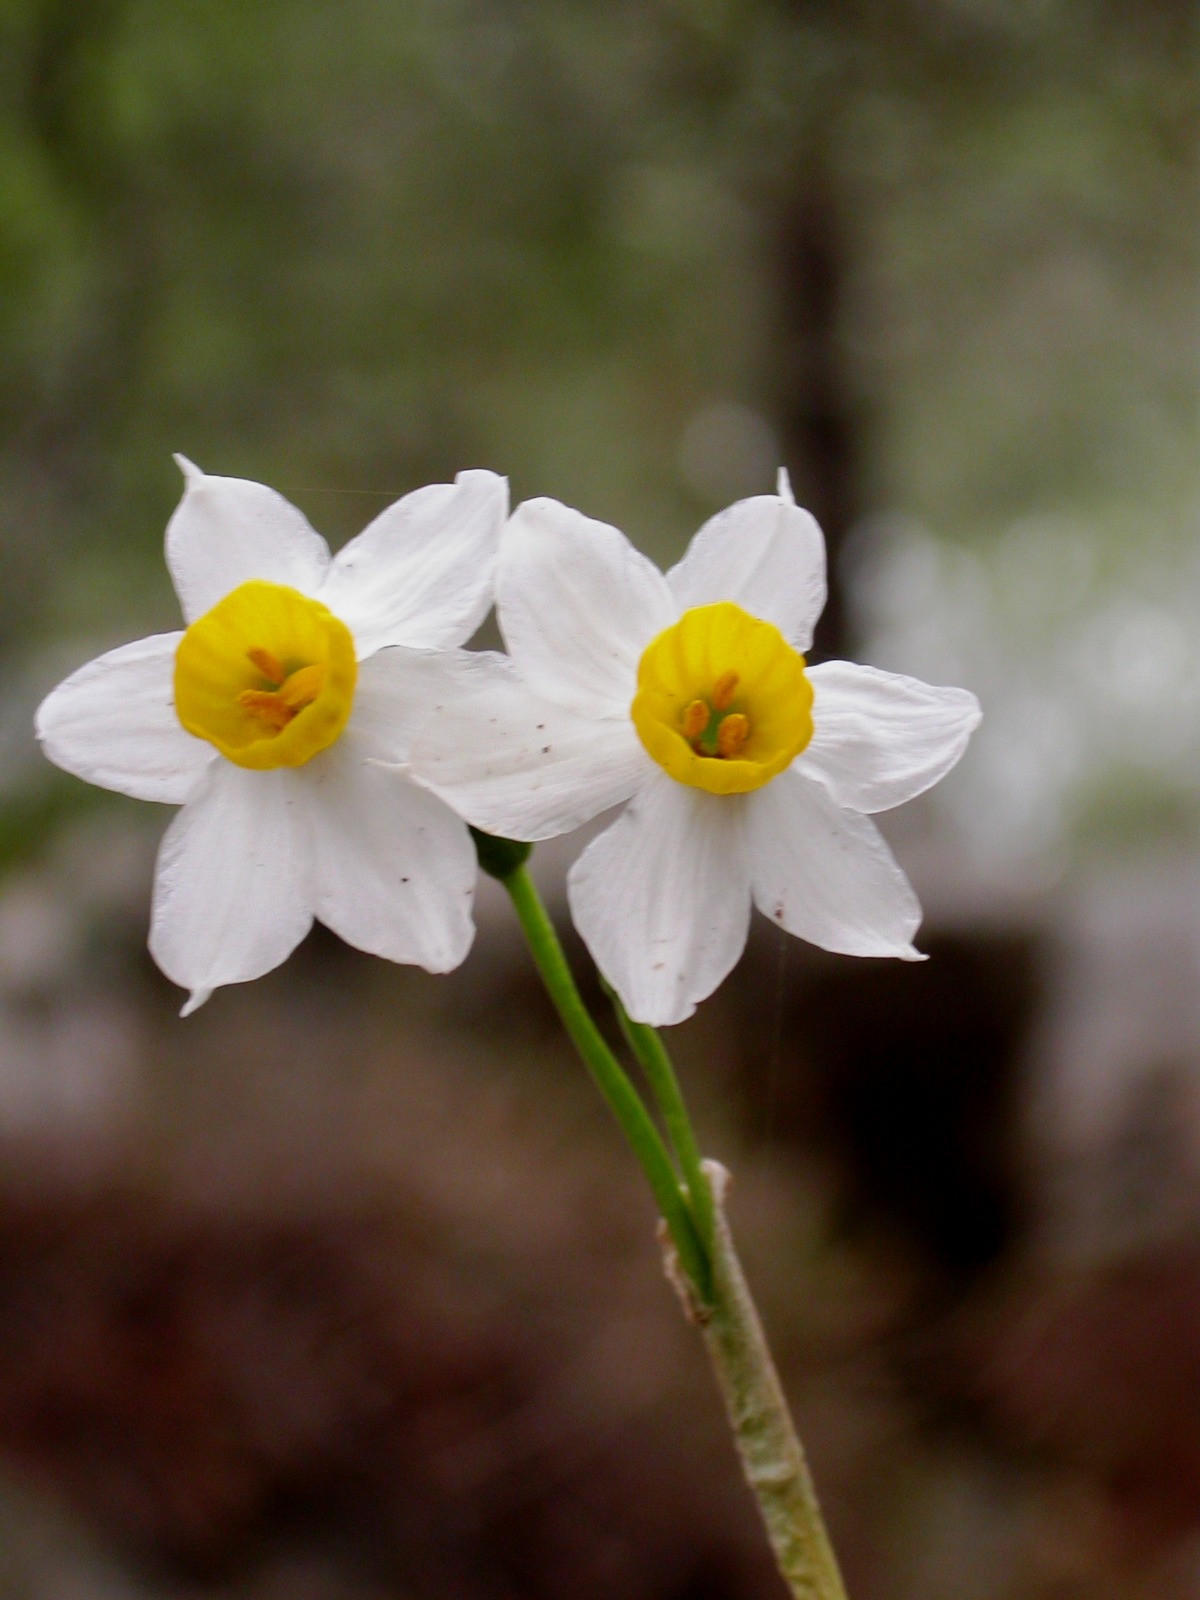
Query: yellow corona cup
{"x":723,"y":701}
{"x":267,"y":676}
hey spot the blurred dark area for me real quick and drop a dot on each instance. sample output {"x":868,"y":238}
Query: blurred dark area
{"x":345,"y":1288}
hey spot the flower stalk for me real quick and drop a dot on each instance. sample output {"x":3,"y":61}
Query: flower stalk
{"x":700,"y":1258}
{"x":610,"y":1078}
{"x":772,"y":1456}
{"x":651,"y":1055}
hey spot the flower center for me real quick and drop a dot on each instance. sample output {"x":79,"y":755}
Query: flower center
{"x":723,"y":702}
{"x":267,"y":676}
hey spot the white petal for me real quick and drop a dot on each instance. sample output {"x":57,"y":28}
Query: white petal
{"x":422,"y":573}
{"x":662,"y":898}
{"x":825,"y":874}
{"x":577,"y":606}
{"x":231,"y":895}
{"x":395,"y":868}
{"x":880,"y":739}
{"x":395,"y":691}
{"x":517,"y":764}
{"x":113,"y":722}
{"x":226,"y":531}
{"x":767,"y":555}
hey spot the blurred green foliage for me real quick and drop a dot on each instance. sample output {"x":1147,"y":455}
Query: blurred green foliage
{"x":350,"y":249}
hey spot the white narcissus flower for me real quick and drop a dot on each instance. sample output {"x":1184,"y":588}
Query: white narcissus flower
{"x":750,"y":776}
{"x":276,"y":718}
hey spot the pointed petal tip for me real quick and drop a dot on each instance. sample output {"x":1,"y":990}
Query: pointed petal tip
{"x":664,"y":1019}
{"x":451,"y":960}
{"x":913,"y":954}
{"x":493,"y":484}
{"x":539,"y":505}
{"x":496,"y":480}
{"x":783,"y":487}
{"x":194,"y":1001}
{"x":192,"y":474}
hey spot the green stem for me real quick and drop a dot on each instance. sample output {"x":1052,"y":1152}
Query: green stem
{"x":610,"y":1078}
{"x":654,"y":1061}
{"x":700,"y":1256}
{"x":772,"y":1456}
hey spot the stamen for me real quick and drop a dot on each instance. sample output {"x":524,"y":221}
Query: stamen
{"x":268,"y":706}
{"x":270,"y":666}
{"x":732,"y":735}
{"x":277,"y":707}
{"x":695,"y":720}
{"x":303,"y":687}
{"x":724,"y":690}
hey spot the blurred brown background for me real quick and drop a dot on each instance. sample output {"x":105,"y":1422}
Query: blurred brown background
{"x":345,"y":1288}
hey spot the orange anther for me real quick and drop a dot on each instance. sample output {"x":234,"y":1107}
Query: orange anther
{"x":732,"y":735}
{"x":270,"y":666}
{"x":303,"y":687}
{"x":268,"y":707}
{"x":695,"y":720}
{"x":724,"y":690}
{"x":277,"y":707}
